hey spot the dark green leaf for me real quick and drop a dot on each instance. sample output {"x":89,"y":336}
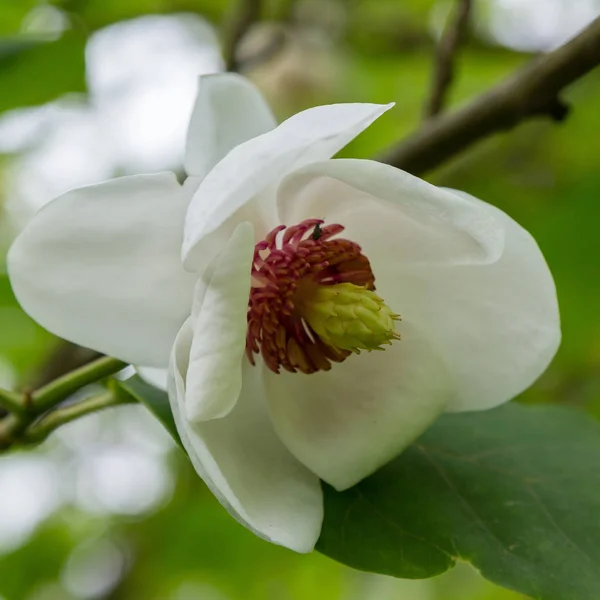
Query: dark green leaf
{"x":34,"y":71}
{"x":515,"y":491}
{"x":155,"y":400}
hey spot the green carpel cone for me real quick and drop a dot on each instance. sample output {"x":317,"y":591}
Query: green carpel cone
{"x":350,"y":317}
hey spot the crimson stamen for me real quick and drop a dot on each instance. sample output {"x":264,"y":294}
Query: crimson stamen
{"x":287,"y":265}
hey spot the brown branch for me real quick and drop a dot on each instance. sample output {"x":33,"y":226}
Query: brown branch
{"x":248,"y":13}
{"x":533,"y":91}
{"x":443,"y":71}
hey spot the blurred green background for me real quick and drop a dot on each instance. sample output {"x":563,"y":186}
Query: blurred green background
{"x":108,"y":508}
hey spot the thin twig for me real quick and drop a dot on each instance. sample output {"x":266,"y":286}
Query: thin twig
{"x":16,"y":423}
{"x":532,"y":91}
{"x":41,"y":429}
{"x":64,"y":358}
{"x":248,"y":13}
{"x":59,"y":389}
{"x":443,"y":71}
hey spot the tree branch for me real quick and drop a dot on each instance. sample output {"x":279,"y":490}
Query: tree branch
{"x":533,"y":91}
{"x":247,"y":14}
{"x":443,"y":72}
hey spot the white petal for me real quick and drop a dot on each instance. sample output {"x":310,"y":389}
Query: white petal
{"x":229,"y":110}
{"x":214,"y":377}
{"x":345,"y":423}
{"x":100,"y":266}
{"x":258,"y":165}
{"x":392,"y":214}
{"x":464,"y":272}
{"x":244,"y":463}
{"x":498,"y":325}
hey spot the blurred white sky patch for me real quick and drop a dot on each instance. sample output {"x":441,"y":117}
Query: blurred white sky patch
{"x":117,"y":462}
{"x":70,"y":152}
{"x":94,"y":568}
{"x":122,"y":480}
{"x":113,"y":462}
{"x":130,"y":423}
{"x":45,"y":20}
{"x":142,"y":78}
{"x":539,"y":25}
{"x":29,"y":495}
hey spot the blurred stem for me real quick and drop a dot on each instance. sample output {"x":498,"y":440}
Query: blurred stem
{"x":60,"y":389}
{"x":10,"y":426}
{"x":443,"y":72}
{"x":12,"y":402}
{"x":40,"y":430}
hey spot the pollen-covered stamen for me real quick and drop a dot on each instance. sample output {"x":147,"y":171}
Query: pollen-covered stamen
{"x":289,"y":269}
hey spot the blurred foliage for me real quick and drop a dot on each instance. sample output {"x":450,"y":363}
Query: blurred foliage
{"x":22,"y":342}
{"x":37,"y":71}
{"x":545,"y":175}
{"x":13,"y":12}
{"x":95,"y":14}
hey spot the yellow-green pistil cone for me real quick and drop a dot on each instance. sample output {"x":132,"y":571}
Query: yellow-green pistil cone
{"x":349,"y":317}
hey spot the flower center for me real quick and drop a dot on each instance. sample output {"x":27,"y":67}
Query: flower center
{"x":312,"y":300}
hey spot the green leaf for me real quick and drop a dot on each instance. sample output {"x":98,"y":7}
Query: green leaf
{"x":34,"y":71}
{"x":514,"y":491}
{"x":155,"y":400}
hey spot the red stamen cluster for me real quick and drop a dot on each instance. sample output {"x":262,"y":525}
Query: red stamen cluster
{"x":303,"y":254}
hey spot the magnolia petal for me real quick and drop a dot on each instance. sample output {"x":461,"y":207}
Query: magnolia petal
{"x":229,"y":110}
{"x":498,"y":325}
{"x":214,"y":376}
{"x":345,"y":423}
{"x":100,"y":266}
{"x":392,"y":214}
{"x":255,"y":167}
{"x":472,"y":279}
{"x":244,"y":463}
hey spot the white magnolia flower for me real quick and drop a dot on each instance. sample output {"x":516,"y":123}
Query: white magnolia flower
{"x":147,"y":270}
